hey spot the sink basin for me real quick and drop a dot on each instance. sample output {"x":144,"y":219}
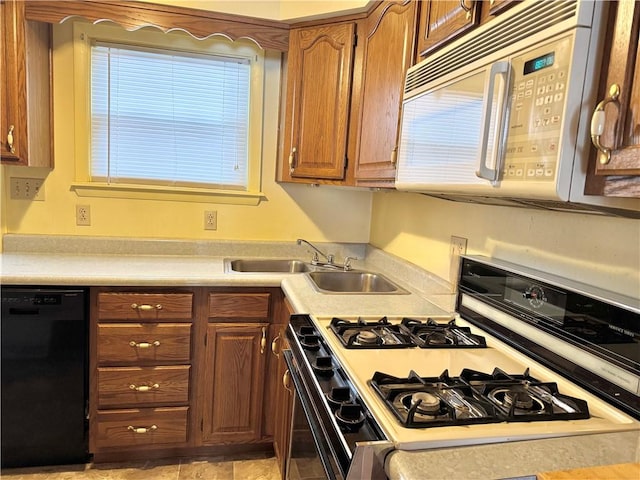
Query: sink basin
{"x":354,"y":282}
{"x":266,"y":266}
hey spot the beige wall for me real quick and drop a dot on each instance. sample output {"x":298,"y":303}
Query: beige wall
{"x":281,"y":10}
{"x":289,"y":211}
{"x":603,"y":251}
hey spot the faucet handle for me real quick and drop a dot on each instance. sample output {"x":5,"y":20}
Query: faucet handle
{"x":347,"y":262}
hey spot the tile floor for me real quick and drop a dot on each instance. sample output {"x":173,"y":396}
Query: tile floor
{"x":253,"y":467}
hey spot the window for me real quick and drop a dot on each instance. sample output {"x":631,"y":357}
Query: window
{"x":169,"y":111}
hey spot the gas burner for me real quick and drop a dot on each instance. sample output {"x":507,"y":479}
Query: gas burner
{"x":431,"y":402}
{"x":431,"y":334}
{"x":425,"y":405}
{"x":517,"y":400}
{"x":436,"y":338}
{"x":474,"y":397}
{"x":376,"y":334}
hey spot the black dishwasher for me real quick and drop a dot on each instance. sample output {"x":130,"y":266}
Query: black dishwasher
{"x":44,"y":376}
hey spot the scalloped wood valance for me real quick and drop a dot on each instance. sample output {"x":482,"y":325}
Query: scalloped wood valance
{"x":131,"y":15}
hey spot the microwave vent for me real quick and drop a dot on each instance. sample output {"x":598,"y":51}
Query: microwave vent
{"x":536,"y":17}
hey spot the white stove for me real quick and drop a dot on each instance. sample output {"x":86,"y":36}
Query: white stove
{"x":525,"y":356}
{"x":361,"y":365}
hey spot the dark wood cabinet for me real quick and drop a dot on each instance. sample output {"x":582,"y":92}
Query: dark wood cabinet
{"x":283,"y":394}
{"x":26,"y":135}
{"x":387,"y":45}
{"x":233,"y":382}
{"x":615,"y":168}
{"x":140,"y":371}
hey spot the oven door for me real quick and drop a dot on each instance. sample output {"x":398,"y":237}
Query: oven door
{"x":310,"y":454}
{"x":316,"y":451}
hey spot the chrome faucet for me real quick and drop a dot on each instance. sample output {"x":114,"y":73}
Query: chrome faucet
{"x":315,"y":260}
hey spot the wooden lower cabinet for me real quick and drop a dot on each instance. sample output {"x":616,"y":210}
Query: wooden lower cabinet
{"x":141,"y":427}
{"x":233,"y":382}
{"x":283,"y":394}
{"x":185,"y":371}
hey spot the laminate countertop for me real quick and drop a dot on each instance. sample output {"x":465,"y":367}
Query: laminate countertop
{"x":44,"y":260}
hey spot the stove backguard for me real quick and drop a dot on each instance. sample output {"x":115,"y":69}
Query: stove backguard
{"x":588,"y":335}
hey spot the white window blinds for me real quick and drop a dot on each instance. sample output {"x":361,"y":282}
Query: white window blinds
{"x":169,"y":118}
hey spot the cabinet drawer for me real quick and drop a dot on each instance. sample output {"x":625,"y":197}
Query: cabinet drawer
{"x":239,"y":305}
{"x":141,"y":427}
{"x":140,"y":344}
{"x":143,"y":386}
{"x":145,"y":307}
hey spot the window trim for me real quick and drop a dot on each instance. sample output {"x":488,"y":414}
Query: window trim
{"x":84,"y":34}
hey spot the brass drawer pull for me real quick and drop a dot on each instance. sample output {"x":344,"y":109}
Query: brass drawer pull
{"x":292,"y":160}
{"x":12,"y":149}
{"x":145,"y":307}
{"x":263,"y":340}
{"x":274,"y":346}
{"x":133,"y":429}
{"x":144,"y":388}
{"x":286,"y":380}
{"x":144,"y":344}
{"x":598,"y":120}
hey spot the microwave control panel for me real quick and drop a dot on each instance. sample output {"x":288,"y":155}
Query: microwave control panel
{"x":538,"y":98}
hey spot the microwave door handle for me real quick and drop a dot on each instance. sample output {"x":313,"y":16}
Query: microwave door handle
{"x":503,"y":70}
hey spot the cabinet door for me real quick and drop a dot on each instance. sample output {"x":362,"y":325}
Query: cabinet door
{"x":25,"y":89}
{"x":622,"y":117}
{"x":233,"y":382}
{"x":13,"y":133}
{"x":388,"y":43}
{"x":318,"y":98}
{"x":444,"y":20}
{"x":283,"y":412}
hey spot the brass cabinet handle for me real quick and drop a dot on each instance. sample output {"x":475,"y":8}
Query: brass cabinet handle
{"x":464,"y":7}
{"x":598,"y":120}
{"x":12,"y":149}
{"x":274,"y":346}
{"x":144,"y":344}
{"x":263,"y":340}
{"x":286,"y":381}
{"x":145,"y":307}
{"x":144,"y":388}
{"x":133,"y":429}
{"x":292,"y":160}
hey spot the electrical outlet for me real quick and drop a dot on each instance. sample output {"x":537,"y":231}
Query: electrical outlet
{"x":27,"y":188}
{"x":210,"y":220}
{"x":457,"y":247}
{"x":83,"y":215}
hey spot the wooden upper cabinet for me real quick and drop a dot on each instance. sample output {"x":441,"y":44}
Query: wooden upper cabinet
{"x":388,"y":43}
{"x":318,"y":100}
{"x":444,"y":20}
{"x":619,"y":175}
{"x":25,"y":89}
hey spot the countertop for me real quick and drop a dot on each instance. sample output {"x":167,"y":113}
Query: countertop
{"x":43,"y":260}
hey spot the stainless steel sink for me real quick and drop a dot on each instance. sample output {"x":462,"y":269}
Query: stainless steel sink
{"x":263,"y":265}
{"x":354,"y":282}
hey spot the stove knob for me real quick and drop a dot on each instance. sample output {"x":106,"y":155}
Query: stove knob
{"x":310,"y":342}
{"x":323,"y":366}
{"x":307,"y":330}
{"x":350,"y":416}
{"x":337,"y":396}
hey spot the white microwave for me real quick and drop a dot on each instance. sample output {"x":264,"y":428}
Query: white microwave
{"x":502,"y":115}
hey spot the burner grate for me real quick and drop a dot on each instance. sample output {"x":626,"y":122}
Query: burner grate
{"x":474,"y":397}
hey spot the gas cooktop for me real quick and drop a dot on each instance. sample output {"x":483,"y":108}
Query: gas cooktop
{"x":407,"y":333}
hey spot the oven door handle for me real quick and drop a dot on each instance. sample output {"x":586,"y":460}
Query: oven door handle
{"x":322,"y":446}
